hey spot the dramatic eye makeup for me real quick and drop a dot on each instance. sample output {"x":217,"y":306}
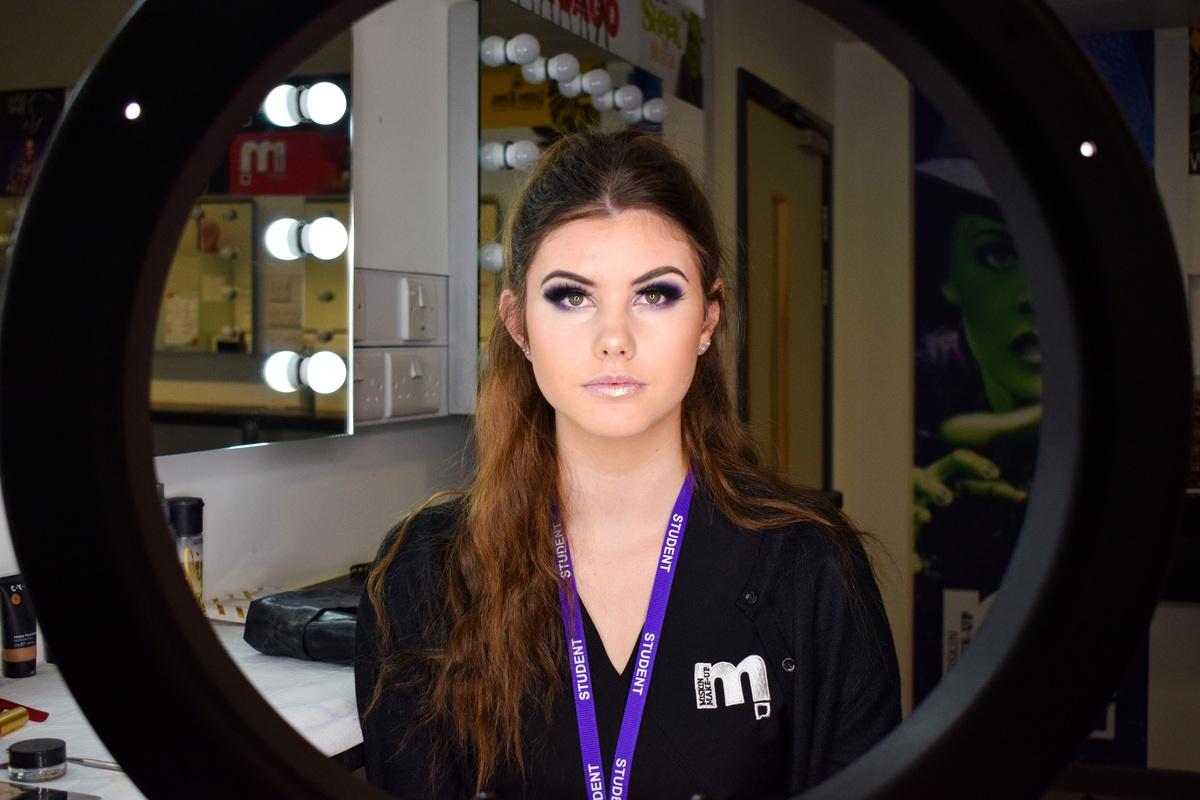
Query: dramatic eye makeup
{"x":568,"y":296}
{"x":661,"y":294}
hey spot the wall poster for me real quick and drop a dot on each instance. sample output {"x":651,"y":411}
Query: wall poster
{"x":978,"y":396}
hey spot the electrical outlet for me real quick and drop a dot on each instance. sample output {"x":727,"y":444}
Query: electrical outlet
{"x":370,"y":385}
{"x":416,"y":381}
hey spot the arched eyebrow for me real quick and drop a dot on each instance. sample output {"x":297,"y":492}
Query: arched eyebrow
{"x":654,"y":273}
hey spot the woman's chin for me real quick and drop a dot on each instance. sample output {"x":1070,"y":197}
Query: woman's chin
{"x":609,"y":425}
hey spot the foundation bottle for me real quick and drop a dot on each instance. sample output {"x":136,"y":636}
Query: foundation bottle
{"x":187,"y":518}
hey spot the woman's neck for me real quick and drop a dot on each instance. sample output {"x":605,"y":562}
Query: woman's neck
{"x":613,"y":486}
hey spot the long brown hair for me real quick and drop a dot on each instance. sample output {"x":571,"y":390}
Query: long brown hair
{"x":503,"y":646}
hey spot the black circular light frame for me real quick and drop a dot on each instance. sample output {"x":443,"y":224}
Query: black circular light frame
{"x":90,"y":536}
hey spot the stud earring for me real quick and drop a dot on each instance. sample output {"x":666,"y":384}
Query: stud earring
{"x":703,"y":347}
{"x":526,"y":352}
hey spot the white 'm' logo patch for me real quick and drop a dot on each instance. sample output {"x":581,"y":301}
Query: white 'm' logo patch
{"x":730,"y":677}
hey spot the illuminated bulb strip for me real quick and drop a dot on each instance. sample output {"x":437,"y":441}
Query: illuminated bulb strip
{"x":562,"y":67}
{"x":287,"y":106}
{"x":324,"y":372}
{"x":497,"y":156}
{"x":624,"y":99}
{"x":651,"y":111}
{"x":287,"y":239}
{"x":496,"y":51}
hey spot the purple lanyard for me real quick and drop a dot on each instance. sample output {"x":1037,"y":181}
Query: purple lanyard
{"x":580,"y":672}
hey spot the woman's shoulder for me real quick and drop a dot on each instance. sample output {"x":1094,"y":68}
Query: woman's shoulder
{"x":814,"y":553}
{"x":429,"y":530}
{"x":416,"y":550}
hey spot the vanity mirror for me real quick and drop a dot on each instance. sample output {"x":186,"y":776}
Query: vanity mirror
{"x":228,"y":302}
{"x":1016,"y":119}
{"x":589,"y":73}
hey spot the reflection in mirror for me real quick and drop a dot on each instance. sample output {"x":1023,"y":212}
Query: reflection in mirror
{"x":583,"y":78}
{"x":227,"y":303}
{"x":261,"y":269}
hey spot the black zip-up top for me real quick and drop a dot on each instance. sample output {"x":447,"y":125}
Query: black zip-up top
{"x":772,"y":673}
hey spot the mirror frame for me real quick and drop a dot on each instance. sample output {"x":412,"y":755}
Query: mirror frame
{"x":1112,"y":456}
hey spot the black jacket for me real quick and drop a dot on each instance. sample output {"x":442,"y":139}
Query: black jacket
{"x":827,"y":645}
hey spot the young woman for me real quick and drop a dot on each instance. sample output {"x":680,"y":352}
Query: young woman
{"x":623,"y":603}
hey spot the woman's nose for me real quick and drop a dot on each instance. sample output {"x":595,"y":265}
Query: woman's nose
{"x":614,"y":336}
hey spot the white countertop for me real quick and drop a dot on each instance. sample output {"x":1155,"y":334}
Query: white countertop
{"x":317,"y":699}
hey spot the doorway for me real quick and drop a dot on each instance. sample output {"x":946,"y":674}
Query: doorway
{"x":785,"y":281}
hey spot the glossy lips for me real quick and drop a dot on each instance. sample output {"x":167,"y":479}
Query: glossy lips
{"x":614,"y":386}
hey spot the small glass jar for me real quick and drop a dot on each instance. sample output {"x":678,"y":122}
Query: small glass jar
{"x":37,"y":760}
{"x":187,"y":518}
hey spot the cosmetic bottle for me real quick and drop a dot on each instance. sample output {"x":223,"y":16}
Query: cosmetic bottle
{"x":18,"y":627}
{"x":187,"y":517}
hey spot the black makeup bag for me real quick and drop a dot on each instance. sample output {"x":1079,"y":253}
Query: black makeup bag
{"x":313,"y":624}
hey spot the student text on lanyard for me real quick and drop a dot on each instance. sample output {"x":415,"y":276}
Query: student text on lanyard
{"x":651,"y":638}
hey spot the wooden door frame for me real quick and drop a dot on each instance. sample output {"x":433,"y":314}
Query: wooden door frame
{"x":752,"y":88}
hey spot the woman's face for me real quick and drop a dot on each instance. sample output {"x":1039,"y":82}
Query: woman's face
{"x":987,"y":282}
{"x":614,"y":296}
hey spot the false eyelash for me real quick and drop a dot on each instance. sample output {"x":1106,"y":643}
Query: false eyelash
{"x":556,"y":294}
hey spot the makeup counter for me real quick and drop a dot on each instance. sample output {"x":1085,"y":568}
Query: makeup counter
{"x":315,"y":698}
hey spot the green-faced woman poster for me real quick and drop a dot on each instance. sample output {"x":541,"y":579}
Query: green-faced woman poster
{"x":978,"y":395}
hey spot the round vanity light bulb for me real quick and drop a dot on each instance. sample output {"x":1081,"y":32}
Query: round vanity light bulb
{"x":603,"y":102}
{"x":491,"y":156}
{"x":562,"y":67}
{"x":572,"y":87}
{"x":325,"y":237}
{"x":522,"y":48}
{"x":324,"y":372}
{"x":655,"y":110}
{"x":133,"y":110}
{"x":281,"y":371}
{"x":282,"y":106}
{"x":535,"y":71}
{"x":282,"y":239}
{"x":491,"y":257}
{"x":521,"y":154}
{"x":1087,"y":149}
{"x":596,"y":81}
{"x":628,"y":96}
{"x":491,"y":51}
{"x":324,"y":103}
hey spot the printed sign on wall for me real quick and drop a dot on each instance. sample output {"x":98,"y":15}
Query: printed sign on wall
{"x":288,"y":162}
